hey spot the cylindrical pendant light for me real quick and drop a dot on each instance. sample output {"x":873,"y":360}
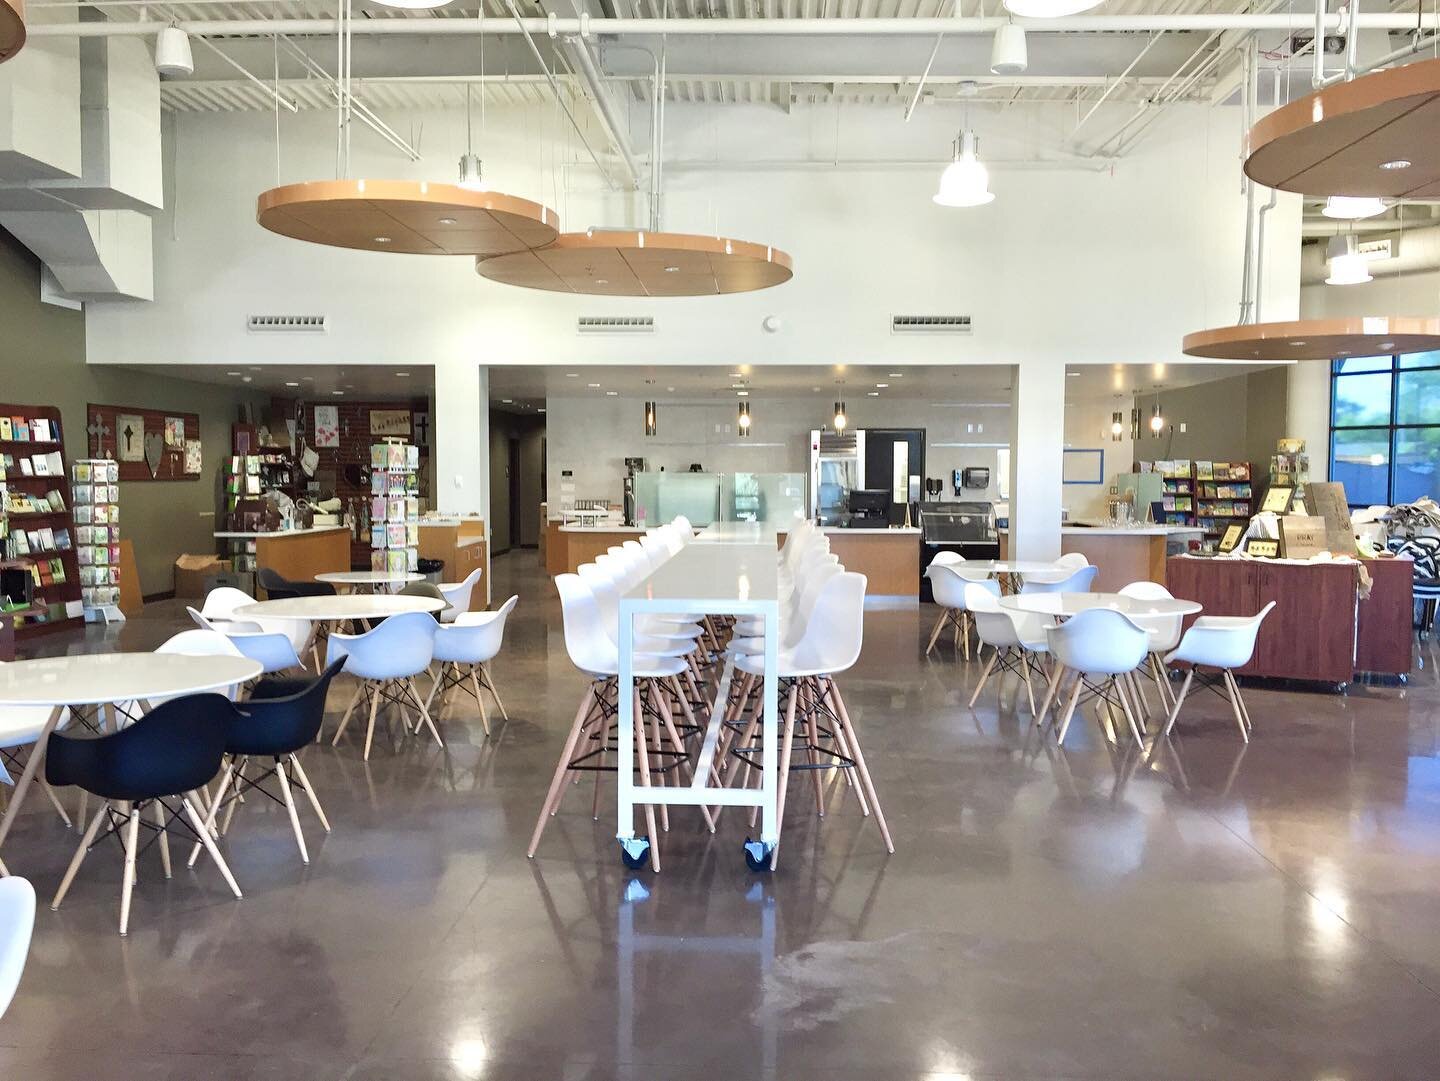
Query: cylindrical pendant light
{"x":1157,"y":419}
{"x":1117,"y":426}
{"x":840,"y":420}
{"x":172,"y":52}
{"x":650,"y":428}
{"x":1008,"y":55}
{"x":742,"y":419}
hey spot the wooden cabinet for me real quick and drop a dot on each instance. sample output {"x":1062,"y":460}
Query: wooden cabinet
{"x":1385,"y":637}
{"x":1310,"y":635}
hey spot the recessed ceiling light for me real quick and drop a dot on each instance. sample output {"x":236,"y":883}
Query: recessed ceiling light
{"x":1297,"y":343}
{"x":1398,"y":163}
{"x":742,"y":394}
{"x":337,"y":392}
{"x":602,"y":281}
{"x":593,"y":386}
{"x":232,"y":373}
{"x":611,"y":393}
{"x":289,"y":384}
{"x":737,"y":386}
{"x":896,"y":375}
{"x":507,"y":401}
{"x":874,"y":394}
{"x":402,"y":375}
{"x":309,"y":378}
{"x":540,"y":410}
{"x":447,"y":221}
{"x":1072,"y":375}
{"x":881,"y":386}
{"x":672,"y":269}
{"x":382,"y":240}
{"x":736,"y":375}
{"x":254,"y":367}
{"x":1387,"y":345}
{"x":349,"y":386}
{"x":572,"y":375}
{"x":670,"y":389}
{"x":246,"y":378}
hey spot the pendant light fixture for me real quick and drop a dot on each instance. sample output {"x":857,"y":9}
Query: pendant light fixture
{"x":173,"y":55}
{"x":650,"y":427}
{"x":12,"y":28}
{"x":965,"y":182}
{"x":1117,"y":425}
{"x":742,"y":419}
{"x":412,"y":5}
{"x":412,"y":217}
{"x":1353,"y":207}
{"x":840,"y":420}
{"x":471,"y":172}
{"x":1157,"y":418}
{"x":643,"y":262}
{"x":1347,"y":265}
{"x":1008,"y":55}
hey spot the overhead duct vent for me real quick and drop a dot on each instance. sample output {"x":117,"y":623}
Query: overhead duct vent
{"x":616,"y":324}
{"x":930,"y":324}
{"x":287,"y":324}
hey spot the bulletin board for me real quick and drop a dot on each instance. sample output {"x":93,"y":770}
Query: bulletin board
{"x":150,"y":444}
{"x":1083,"y":466}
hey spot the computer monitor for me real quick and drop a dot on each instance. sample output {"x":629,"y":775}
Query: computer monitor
{"x":869,"y":502}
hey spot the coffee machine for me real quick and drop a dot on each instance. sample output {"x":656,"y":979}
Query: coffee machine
{"x":632,"y":466}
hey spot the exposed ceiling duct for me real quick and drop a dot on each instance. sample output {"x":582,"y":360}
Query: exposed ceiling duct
{"x":1414,"y":251}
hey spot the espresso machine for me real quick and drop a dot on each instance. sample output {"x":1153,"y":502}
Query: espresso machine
{"x":632,"y":466}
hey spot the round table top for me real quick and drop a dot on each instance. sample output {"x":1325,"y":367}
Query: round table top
{"x":353,"y":606}
{"x":1004,"y":566}
{"x":368,"y":578}
{"x":95,"y":678}
{"x":1070,"y":604}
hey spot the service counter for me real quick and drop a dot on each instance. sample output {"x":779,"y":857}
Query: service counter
{"x":1123,"y":554}
{"x":568,"y":546}
{"x":299,"y":554}
{"x":462,"y":545}
{"x":889,"y":558}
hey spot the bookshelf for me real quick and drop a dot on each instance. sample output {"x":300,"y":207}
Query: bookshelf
{"x":95,"y":485}
{"x":39,"y":518}
{"x":394,"y":506}
{"x":1224,"y":495}
{"x":1177,"y":491}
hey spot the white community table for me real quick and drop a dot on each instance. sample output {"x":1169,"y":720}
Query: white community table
{"x":369,"y":580}
{"x":101,"y":680}
{"x":361,"y":606}
{"x":1072,"y":604}
{"x":725,"y":571}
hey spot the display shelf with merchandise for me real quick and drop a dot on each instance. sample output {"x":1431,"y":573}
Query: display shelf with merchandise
{"x":394,"y":506}
{"x":95,"y":486}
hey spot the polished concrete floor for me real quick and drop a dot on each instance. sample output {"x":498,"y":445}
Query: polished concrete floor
{"x":1232,"y":914}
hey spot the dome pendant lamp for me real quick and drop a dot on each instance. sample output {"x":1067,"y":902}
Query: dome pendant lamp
{"x":640,"y":262}
{"x":412,"y":217}
{"x":1008,"y":55}
{"x":965,"y":182}
{"x":1048,"y":9}
{"x":12,"y":28}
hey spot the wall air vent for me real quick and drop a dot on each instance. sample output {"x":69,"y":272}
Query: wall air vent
{"x":930,"y":324}
{"x":287,"y":324}
{"x":615,"y":324}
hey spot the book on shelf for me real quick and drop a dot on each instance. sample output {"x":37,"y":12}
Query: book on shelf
{"x":19,"y":430}
{"x":7,"y":431}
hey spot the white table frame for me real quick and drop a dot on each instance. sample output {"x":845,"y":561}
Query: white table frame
{"x":641,"y":601}
{"x":369,"y":581}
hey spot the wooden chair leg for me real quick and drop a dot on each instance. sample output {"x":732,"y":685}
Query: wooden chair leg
{"x":1174,"y":709}
{"x":79,"y":857}
{"x":210,"y":847}
{"x":127,"y":882}
{"x":1070,"y":702}
{"x":479,"y":701}
{"x":562,"y":767}
{"x":984,"y":675}
{"x":294,"y":762}
{"x":363,"y":689}
{"x":489,"y":678}
{"x":642,"y":752}
{"x":370,"y":728}
{"x":214,"y":809}
{"x":1057,"y":670}
{"x":784,"y":779}
{"x":159,"y":809}
{"x":1233,"y":693}
{"x":853,"y":738}
{"x":290,"y":808}
{"x":1123,"y":692}
{"x":935,"y":634}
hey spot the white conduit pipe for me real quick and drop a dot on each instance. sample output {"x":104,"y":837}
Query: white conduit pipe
{"x":718,"y":28}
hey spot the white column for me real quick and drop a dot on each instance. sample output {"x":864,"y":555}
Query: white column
{"x":1037,"y":437}
{"x":1307,"y":414}
{"x":462,"y":439}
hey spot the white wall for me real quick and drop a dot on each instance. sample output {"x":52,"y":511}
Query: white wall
{"x":591,"y":438}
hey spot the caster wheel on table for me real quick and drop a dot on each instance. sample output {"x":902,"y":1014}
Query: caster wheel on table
{"x":635,"y":852}
{"x":758,"y":855}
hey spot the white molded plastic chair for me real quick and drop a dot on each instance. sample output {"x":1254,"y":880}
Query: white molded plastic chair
{"x":464,"y":649}
{"x":274,"y":651}
{"x":458,"y":595}
{"x":1223,"y":642}
{"x":1078,"y":581}
{"x":1016,"y":639}
{"x":1164,"y":634}
{"x":20,"y":726}
{"x":386,"y":660}
{"x":947,"y":582}
{"x":1103,"y":642}
{"x":1073,"y":560}
{"x":592,"y":650}
{"x":17,"y":923}
{"x":219,"y":607}
{"x":829,"y":645}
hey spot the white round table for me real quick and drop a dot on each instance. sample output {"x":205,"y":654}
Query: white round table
{"x":100,"y":679}
{"x":1005,"y":566}
{"x":1071,"y":604}
{"x":370,"y":580}
{"x":334,"y":609}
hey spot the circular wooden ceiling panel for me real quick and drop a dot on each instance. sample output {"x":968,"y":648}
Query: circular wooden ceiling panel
{"x":407,"y":216}
{"x":1317,"y":339}
{"x":1339,"y":140}
{"x":12,"y":28}
{"x":624,"y":263}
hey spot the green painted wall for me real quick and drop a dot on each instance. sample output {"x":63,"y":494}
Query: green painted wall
{"x":42,"y":362}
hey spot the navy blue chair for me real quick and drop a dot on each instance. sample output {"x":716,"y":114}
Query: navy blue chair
{"x":158,"y":763}
{"x":267,"y":732}
{"x":278,"y":587}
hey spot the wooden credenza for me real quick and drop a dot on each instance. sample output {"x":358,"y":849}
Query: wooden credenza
{"x":1320,"y":630}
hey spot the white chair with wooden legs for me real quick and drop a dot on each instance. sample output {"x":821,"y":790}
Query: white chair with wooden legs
{"x":1078,"y":580}
{"x":464,"y":649}
{"x":458,"y":596}
{"x":1016,"y":640}
{"x":17,"y":923}
{"x":20,"y":728}
{"x":1164,"y":634}
{"x":593,"y":732}
{"x":275,"y":652}
{"x":814,"y":709}
{"x":1096,"y":642}
{"x":1220,"y":642}
{"x":219,"y":611}
{"x":947,"y":582}
{"x":386,"y":660}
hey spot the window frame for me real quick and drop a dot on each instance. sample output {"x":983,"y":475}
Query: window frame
{"x":1390,"y":428}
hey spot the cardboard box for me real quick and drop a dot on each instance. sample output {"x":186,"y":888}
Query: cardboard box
{"x":191,"y":571}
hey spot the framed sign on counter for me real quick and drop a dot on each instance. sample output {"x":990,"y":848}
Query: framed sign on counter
{"x":149,"y":444}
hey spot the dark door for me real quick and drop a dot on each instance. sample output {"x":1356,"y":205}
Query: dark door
{"x":880,"y":462}
{"x":513,"y":475}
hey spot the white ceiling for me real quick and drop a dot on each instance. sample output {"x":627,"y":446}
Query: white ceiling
{"x":367,"y":382}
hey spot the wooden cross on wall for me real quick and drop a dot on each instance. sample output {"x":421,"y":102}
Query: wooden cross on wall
{"x":422,"y":429}
{"x":129,"y":433}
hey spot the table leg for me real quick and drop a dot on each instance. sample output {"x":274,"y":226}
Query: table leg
{"x":32,"y":765}
{"x":769,"y":731}
{"x":625,"y":742}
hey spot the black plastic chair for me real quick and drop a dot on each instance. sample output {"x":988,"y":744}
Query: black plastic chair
{"x":425,"y":589}
{"x":278,"y":720}
{"x":162,"y":758}
{"x":278,"y":587}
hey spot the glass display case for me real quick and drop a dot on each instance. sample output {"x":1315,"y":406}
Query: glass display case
{"x":707,"y":498}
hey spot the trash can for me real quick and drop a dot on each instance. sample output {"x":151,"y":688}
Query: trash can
{"x":432,"y":569}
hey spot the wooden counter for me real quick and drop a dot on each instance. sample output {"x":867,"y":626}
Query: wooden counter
{"x":461,"y":543}
{"x":1121,"y":555}
{"x":888,"y":558}
{"x":568,"y":546}
{"x":300,"y":554}
{"x":1320,"y":630}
